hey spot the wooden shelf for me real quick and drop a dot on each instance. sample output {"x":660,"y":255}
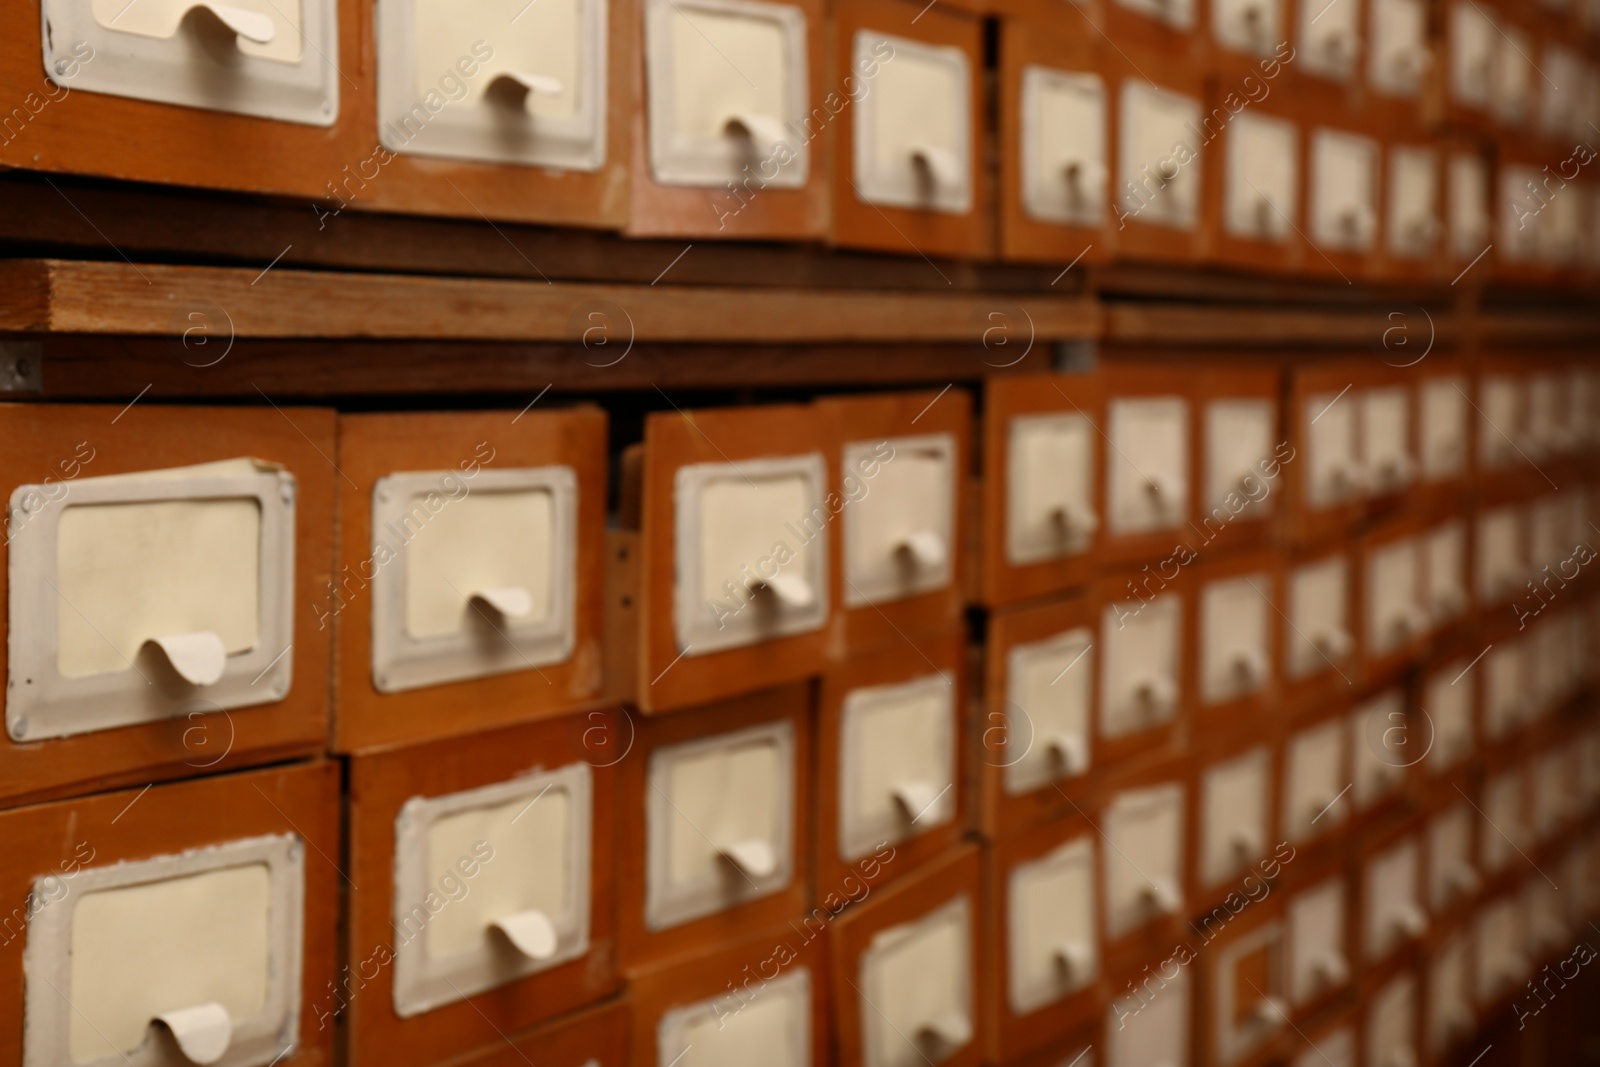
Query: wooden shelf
{"x":67,"y":296}
{"x":1201,"y":325}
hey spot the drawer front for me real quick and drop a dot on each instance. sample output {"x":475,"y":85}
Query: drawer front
{"x":1392,"y":902}
{"x":1253,"y":26}
{"x":1395,"y":615}
{"x":1501,"y":956}
{"x":1052,"y":682}
{"x":1451,"y":874}
{"x":1503,"y":830}
{"x":1333,"y":449}
{"x":722,"y":800}
{"x":525,"y":87}
{"x":710,"y":121}
{"x":1319,"y":635}
{"x":1314,"y":776}
{"x":1144,"y":871}
{"x":734,"y":552}
{"x":1161,"y":1032}
{"x":1473,"y":34}
{"x":192,"y":921}
{"x":1235,"y":629}
{"x":1414,"y":225}
{"x":1066,"y":162}
{"x":1392,"y":1029}
{"x":1141,"y":647}
{"x":1470,"y":218}
{"x":896,"y":764}
{"x":1442,"y":427}
{"x":1329,"y":38}
{"x":264,"y":60}
{"x":1444,"y":568}
{"x":1399,"y":55}
{"x":919,"y":976}
{"x":1262,"y":197}
{"x":169,"y":592}
{"x":1450,"y":696}
{"x":913,"y":136}
{"x":1235,"y":812}
{"x":900,"y":538}
{"x":1053,"y":941}
{"x":1148,"y":476}
{"x":1318,"y":958}
{"x":1238,"y":449}
{"x":1344,"y":191}
{"x":1378,"y":760}
{"x":1050,"y":487}
{"x":776,"y":1029}
{"x":1159,"y":164}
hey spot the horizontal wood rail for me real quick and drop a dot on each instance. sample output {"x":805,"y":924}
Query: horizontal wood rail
{"x":68,"y":296}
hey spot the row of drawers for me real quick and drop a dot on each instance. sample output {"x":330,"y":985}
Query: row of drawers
{"x":868,"y":125}
{"x":480,"y":898}
{"x":172,"y":570}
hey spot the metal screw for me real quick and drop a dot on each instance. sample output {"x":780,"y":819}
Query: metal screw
{"x":61,"y":66}
{"x":286,"y":492}
{"x":19,"y":728}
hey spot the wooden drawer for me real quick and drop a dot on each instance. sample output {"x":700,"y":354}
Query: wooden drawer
{"x":1242,"y":448}
{"x":732,"y":138}
{"x":1057,"y":135}
{"x":761,"y":998}
{"x":1384,"y":750}
{"x":1319,"y":934}
{"x":715,"y":822}
{"x":1391,"y":902}
{"x":906,"y":969}
{"x":1152,"y":1019}
{"x":1450,"y":854}
{"x":600,"y":1036}
{"x":174,"y":625}
{"x":1043,"y":930}
{"x":490,"y":886}
{"x":1256,"y":161}
{"x":1233,"y":820}
{"x":908,"y":172}
{"x":899,"y":545}
{"x":201,"y":910}
{"x":1391,"y":1020}
{"x":1142,"y":673}
{"x":1038,"y":750}
{"x":1446,"y":459}
{"x":1161,"y":156}
{"x":733,"y":587}
{"x":469,"y":587}
{"x":1043,"y":510}
{"x":1334,"y":1040}
{"x":1392,"y":596}
{"x":1326,"y":490}
{"x":1242,"y":1013}
{"x":1414,"y":233}
{"x":1235,"y":659}
{"x":1151,"y":483}
{"x":483,"y":115}
{"x":1315,"y":777}
{"x":1449,"y":1019}
{"x":1320,"y":632}
{"x":180,"y":103}
{"x":1144,"y":815}
{"x":891,"y":761}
